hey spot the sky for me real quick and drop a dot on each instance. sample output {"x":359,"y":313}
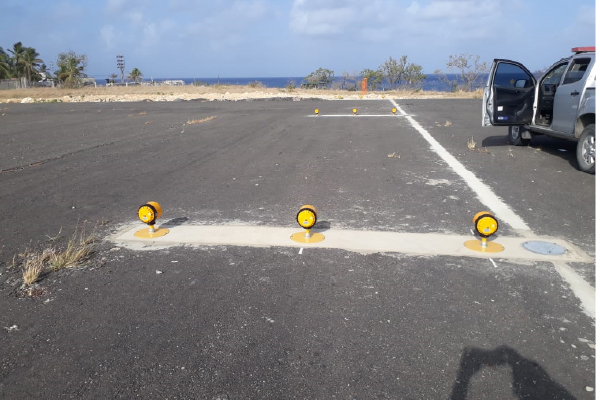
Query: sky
{"x":292,"y":38}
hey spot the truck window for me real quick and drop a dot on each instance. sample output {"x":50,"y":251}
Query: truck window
{"x":553,"y":77}
{"x":510,"y":75}
{"x":576,"y":70}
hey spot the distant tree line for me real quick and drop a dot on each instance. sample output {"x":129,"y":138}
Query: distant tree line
{"x":24,"y":64}
{"x":464,"y":72}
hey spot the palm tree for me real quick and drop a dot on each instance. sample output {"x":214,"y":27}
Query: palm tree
{"x":4,"y":64}
{"x":70,"y":68}
{"x":16,"y":60}
{"x":135,"y":75}
{"x":30,"y":63}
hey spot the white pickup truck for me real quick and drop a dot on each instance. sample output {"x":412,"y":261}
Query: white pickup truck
{"x":562,"y":103}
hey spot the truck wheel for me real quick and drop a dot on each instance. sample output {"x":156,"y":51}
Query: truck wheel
{"x":586,"y":149}
{"x":515,"y":136}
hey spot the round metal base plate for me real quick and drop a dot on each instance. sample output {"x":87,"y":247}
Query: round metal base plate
{"x":301,"y":238}
{"x":145,"y":233}
{"x":547,"y":248}
{"x":492,"y":247}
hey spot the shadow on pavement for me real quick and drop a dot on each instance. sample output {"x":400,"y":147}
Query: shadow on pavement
{"x":530,"y":380}
{"x":176,"y":221}
{"x":321,"y":226}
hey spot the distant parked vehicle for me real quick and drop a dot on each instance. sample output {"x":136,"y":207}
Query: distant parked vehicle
{"x":561,"y":104}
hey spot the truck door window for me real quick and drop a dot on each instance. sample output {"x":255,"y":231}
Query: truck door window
{"x":553,"y":77}
{"x":511,"y":76}
{"x":576,"y":70}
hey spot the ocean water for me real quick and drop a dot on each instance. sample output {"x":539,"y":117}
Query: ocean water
{"x":431,"y":82}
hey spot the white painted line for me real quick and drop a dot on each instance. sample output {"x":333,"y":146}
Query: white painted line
{"x":583,"y":290}
{"x":301,"y":250}
{"x":484,"y":193}
{"x":435,"y":244}
{"x":493,"y":263}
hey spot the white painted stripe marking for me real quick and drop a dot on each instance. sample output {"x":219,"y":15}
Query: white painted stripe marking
{"x":301,"y":250}
{"x":583,"y":290}
{"x":484,"y":193}
{"x":493,"y":263}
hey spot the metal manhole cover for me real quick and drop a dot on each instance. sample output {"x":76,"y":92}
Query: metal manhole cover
{"x":546,"y":248}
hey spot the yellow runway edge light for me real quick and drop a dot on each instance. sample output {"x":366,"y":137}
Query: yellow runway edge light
{"x":148,"y":213}
{"x":485,"y":226}
{"x":307,"y":218}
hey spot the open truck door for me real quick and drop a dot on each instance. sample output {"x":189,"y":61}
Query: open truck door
{"x":509,"y":95}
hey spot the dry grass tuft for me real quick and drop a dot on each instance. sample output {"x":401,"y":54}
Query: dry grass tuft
{"x":448,"y":123}
{"x":80,"y":248}
{"x":34,"y":266}
{"x":200,"y":121}
{"x":395,"y":154}
{"x":471,"y":144}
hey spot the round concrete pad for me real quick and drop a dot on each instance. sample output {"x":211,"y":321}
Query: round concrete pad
{"x":301,"y":238}
{"x":541,"y":247}
{"x":492,"y":247}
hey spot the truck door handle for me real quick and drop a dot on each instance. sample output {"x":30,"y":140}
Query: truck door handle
{"x":574,"y":93}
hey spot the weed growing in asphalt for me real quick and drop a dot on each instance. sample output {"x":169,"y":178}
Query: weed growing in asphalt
{"x":471,"y":144}
{"x":34,"y":264}
{"x":79,"y":249}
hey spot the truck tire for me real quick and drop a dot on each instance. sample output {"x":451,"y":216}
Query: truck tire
{"x":586,"y":149}
{"x":515,"y":136}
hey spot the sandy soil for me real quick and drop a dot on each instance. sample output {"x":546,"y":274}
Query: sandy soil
{"x":207,"y":93}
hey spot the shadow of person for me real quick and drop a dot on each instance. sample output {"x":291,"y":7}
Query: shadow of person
{"x":530,"y":380}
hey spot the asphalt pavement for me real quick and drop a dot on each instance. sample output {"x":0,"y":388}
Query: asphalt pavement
{"x":231,"y":322}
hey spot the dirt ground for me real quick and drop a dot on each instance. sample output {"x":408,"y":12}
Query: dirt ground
{"x":214,"y":93}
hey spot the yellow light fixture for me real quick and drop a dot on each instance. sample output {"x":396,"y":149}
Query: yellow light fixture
{"x":394,"y":111}
{"x":317,"y":111}
{"x":485,"y":226}
{"x":307,"y":218}
{"x":148,"y":213}
{"x":354,"y":111}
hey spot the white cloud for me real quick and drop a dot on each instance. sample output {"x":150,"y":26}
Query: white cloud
{"x":382,"y":20}
{"x":67,"y":10}
{"x":108,"y":34}
{"x":462,"y":10}
{"x":116,"y":7}
{"x":229,"y":26}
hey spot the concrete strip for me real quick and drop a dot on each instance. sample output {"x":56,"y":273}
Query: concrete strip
{"x":483,"y":192}
{"x":356,"y":116}
{"x":428,"y":244}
